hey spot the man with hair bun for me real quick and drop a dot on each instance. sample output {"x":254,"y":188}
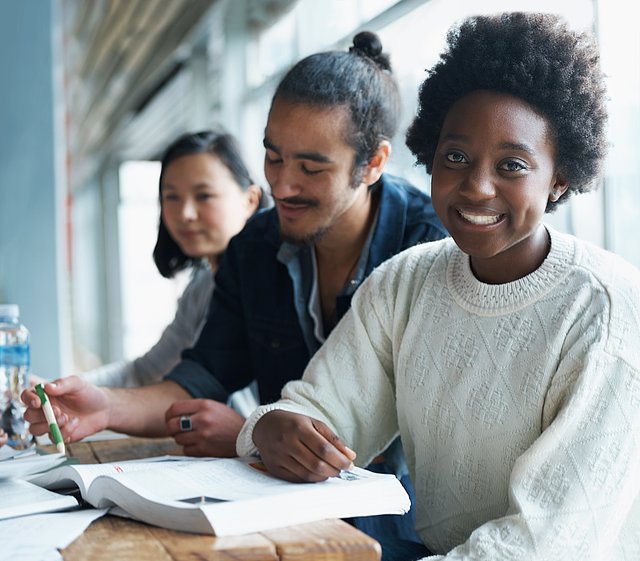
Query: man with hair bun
{"x":287,"y":279}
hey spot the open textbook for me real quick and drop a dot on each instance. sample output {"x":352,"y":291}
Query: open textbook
{"x":225,"y":496}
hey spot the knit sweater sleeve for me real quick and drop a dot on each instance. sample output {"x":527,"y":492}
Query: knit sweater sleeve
{"x":179,"y":335}
{"x":349,"y":381}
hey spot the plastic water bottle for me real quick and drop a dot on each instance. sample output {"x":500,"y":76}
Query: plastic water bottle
{"x":14,"y":374}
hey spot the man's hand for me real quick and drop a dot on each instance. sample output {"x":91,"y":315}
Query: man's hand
{"x":298,"y":448}
{"x":81,"y":409}
{"x":3,"y":437}
{"x":214,"y":427}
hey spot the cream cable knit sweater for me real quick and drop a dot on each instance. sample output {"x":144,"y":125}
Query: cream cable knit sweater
{"x":518,"y":404}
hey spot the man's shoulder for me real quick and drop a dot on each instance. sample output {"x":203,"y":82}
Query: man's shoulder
{"x":409,"y":208}
{"x":401,"y":188}
{"x":257,"y":243}
{"x":261,"y":227}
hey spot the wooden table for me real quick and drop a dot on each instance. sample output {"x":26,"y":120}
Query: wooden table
{"x":118,"y":539}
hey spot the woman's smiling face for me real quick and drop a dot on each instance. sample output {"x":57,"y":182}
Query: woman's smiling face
{"x":493,"y":173}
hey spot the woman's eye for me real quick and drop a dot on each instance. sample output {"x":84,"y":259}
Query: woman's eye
{"x":169,"y":198}
{"x":513,"y":165}
{"x":204,"y":196}
{"x":455,"y":157}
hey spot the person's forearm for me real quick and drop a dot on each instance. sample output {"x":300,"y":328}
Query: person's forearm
{"x":140,"y":411}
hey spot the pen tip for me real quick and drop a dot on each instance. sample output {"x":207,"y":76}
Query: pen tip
{"x":60,"y":447}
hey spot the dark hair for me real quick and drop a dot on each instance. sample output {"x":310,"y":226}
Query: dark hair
{"x":168,"y":256}
{"x":360,"y":80}
{"x":536,"y":58}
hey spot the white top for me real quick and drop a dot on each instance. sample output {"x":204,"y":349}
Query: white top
{"x":180,"y":334}
{"x":518,"y":404}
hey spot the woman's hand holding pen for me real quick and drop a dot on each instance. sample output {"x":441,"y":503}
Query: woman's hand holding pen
{"x":204,"y":427}
{"x":81,"y":409}
{"x":298,"y":448}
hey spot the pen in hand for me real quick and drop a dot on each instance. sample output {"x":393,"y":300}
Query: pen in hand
{"x":51,"y":418}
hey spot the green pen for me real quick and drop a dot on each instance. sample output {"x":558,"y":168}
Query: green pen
{"x":51,"y":418}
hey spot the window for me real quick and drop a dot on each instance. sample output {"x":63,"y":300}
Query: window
{"x":272,"y":50}
{"x":148,"y":299}
{"x":620,"y":49}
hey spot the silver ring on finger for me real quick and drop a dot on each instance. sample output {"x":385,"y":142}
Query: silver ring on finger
{"x":185,"y":423}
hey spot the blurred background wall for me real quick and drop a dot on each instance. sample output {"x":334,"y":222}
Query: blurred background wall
{"x":32,"y":185}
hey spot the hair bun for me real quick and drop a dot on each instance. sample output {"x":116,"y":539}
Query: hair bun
{"x":368,"y":44}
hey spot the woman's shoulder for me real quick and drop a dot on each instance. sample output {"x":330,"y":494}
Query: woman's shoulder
{"x":201,"y":277}
{"x":198,"y":291}
{"x":418,"y":257}
{"x":608,"y":270}
{"x":611,"y":286}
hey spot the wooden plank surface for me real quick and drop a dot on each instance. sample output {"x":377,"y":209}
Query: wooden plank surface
{"x":330,"y":540}
{"x":80,"y":451}
{"x":110,"y":538}
{"x":107,"y":451}
{"x":117,"y":539}
{"x":187,"y":547}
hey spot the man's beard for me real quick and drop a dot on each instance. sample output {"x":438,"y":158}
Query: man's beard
{"x":310,"y":238}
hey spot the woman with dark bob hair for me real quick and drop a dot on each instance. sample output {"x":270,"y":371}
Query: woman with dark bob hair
{"x":206,"y":196}
{"x":507,"y":356}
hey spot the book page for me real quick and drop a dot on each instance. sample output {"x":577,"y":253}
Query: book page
{"x":224,"y":479}
{"x":82,"y":475}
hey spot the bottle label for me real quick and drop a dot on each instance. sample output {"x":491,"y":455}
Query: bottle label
{"x":14,"y":355}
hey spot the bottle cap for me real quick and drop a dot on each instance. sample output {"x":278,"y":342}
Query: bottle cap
{"x":9,"y":311}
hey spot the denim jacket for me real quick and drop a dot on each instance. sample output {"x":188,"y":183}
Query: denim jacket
{"x":253,"y":330}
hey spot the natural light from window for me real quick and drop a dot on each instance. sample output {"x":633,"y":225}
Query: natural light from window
{"x":148,"y":299}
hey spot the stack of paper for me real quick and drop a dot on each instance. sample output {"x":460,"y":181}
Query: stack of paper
{"x":17,"y":496}
{"x":20,"y":463}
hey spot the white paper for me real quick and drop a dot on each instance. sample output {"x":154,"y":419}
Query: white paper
{"x":39,"y":537}
{"x":6,"y":452}
{"x":22,"y":463}
{"x":18,"y":498}
{"x":105,"y":435}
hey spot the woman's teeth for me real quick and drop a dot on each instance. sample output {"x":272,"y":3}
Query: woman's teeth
{"x":480,"y":219}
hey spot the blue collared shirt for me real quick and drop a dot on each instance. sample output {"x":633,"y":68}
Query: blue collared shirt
{"x":301,"y":263}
